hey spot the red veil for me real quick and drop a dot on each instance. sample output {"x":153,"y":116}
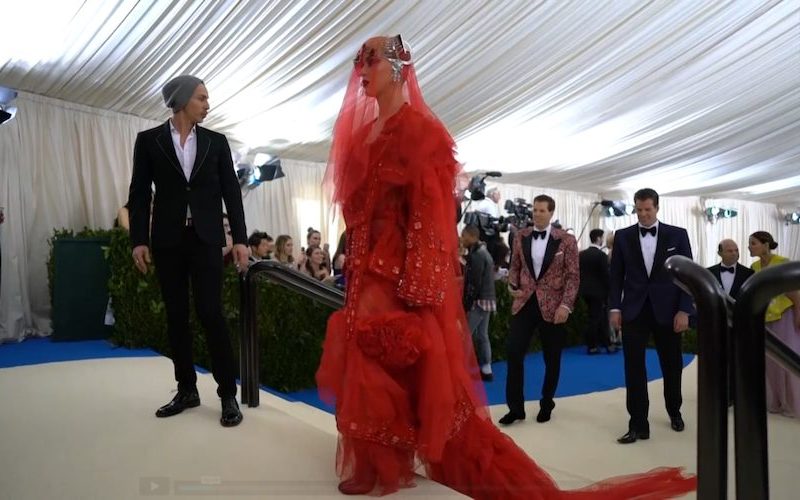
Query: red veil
{"x":398,"y":360}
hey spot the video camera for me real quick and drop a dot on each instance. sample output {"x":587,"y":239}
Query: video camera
{"x":521,"y":213}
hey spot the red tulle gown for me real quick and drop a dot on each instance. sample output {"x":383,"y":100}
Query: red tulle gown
{"x":398,"y":361}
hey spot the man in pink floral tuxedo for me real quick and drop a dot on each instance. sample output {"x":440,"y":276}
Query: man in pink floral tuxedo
{"x":543,"y":279}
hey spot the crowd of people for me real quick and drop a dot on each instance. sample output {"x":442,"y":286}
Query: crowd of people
{"x":397,"y":360}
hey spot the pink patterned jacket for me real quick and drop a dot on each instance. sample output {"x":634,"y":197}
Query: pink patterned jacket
{"x":559,"y":277}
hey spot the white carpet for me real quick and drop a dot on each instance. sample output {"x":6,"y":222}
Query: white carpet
{"x":86,"y":429}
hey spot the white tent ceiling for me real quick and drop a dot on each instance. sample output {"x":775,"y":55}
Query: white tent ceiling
{"x":686,"y":96}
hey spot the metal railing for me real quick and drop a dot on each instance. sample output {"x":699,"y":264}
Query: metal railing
{"x":750,"y":342}
{"x":712,"y":374}
{"x":726,"y":326}
{"x":288,"y":278}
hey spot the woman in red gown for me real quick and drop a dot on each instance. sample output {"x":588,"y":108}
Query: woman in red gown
{"x":397,"y":360}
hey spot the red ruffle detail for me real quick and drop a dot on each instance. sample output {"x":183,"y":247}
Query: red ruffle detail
{"x":395,"y":340}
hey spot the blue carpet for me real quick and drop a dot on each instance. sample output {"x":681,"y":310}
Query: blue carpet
{"x":34,"y":351}
{"x":580,"y":373}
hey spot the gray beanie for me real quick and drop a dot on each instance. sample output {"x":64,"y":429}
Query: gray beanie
{"x":179,"y":90}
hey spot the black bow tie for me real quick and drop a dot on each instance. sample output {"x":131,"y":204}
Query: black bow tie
{"x":645,"y":230}
{"x":539,"y":234}
{"x":727,"y":269}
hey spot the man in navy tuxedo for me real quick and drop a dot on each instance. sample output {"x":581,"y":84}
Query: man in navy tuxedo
{"x":642,"y":300}
{"x":731,"y":275}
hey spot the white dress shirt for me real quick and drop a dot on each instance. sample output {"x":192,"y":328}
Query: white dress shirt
{"x":648,"y":242}
{"x":186,"y":153}
{"x":538,"y":246}
{"x":726,"y":277}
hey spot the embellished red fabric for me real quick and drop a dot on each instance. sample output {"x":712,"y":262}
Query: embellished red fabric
{"x":398,"y":361}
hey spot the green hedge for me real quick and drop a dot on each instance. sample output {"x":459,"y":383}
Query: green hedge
{"x":292,"y":327}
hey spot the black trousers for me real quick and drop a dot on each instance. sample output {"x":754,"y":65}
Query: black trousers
{"x":521,"y":329}
{"x":195,"y":262}
{"x":596,"y":332}
{"x":635,"y":335}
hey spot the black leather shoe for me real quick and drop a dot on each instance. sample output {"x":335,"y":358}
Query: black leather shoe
{"x":592,"y":350}
{"x":181,"y":401}
{"x":546,"y":408}
{"x":633,"y":436}
{"x":509,"y":418}
{"x":231,"y":415}
{"x":611,"y":349}
{"x":677,"y":423}
{"x":487,"y":377}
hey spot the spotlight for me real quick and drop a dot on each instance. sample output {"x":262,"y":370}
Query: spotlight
{"x":714,"y":213}
{"x":269,"y":171}
{"x":7,"y":111}
{"x":250,"y":176}
{"x":792,"y":218}
{"x":616,"y":208}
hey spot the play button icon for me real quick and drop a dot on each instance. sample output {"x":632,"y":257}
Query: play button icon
{"x":154,"y":486}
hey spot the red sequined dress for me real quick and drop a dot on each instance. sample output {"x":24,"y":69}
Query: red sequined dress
{"x":398,"y":361}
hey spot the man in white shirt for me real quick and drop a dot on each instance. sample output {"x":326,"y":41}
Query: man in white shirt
{"x":644,"y":300}
{"x":543,"y":280}
{"x":192,"y":170}
{"x":731,"y":275}
{"x":489,"y":205}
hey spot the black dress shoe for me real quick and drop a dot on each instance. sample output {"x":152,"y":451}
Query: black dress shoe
{"x":677,"y":423}
{"x":546,"y":408}
{"x":487,"y":377}
{"x":611,"y":349}
{"x":592,"y":350}
{"x":509,"y":418}
{"x":181,"y":401}
{"x":231,"y":415}
{"x":633,"y":436}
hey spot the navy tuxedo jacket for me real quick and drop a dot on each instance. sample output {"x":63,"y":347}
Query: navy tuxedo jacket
{"x":629,"y":284}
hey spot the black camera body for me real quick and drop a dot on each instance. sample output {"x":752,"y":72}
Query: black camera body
{"x":521,"y":213}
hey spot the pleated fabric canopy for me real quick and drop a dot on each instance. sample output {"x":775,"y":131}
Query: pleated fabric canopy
{"x":687,"y":96}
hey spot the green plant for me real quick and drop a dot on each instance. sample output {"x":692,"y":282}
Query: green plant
{"x":291,"y":327}
{"x":501,"y":319}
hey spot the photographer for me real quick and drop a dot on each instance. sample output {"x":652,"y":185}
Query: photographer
{"x":490,"y":205}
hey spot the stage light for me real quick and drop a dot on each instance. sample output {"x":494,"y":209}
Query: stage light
{"x":616,"y":208}
{"x":250,"y":176}
{"x":714,"y":213}
{"x":269,"y":171}
{"x":7,"y":110}
{"x":792,"y":218}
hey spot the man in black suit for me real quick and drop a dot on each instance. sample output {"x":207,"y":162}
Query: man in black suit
{"x":192,"y":170}
{"x":642,"y":300}
{"x":731,"y":275}
{"x":594,"y":291}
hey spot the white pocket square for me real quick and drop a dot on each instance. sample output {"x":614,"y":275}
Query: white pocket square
{"x":671,"y":249}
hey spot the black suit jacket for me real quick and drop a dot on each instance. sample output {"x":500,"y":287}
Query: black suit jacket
{"x":594,"y":273}
{"x":212,"y":180}
{"x":739,"y":277}
{"x":630,"y":285}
